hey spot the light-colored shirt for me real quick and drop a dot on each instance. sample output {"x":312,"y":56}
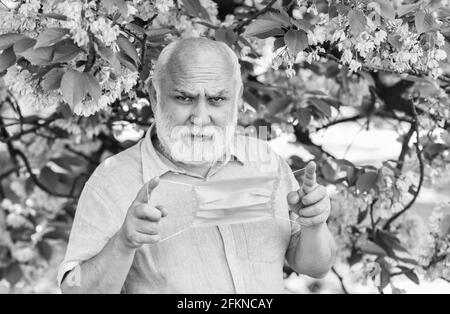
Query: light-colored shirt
{"x":232,"y":258}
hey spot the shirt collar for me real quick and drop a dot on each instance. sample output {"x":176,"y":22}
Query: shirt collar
{"x":154,"y":166}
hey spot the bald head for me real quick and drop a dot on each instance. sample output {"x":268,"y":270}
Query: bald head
{"x":196,"y":60}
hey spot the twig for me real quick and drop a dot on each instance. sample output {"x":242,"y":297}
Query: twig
{"x":8,"y":172}
{"x":35,"y":179}
{"x":382,"y":114}
{"x":16,"y":136}
{"x":341,"y":280}
{"x":421,"y":169}
{"x":372,"y":221}
{"x":405,"y":147}
{"x":349,"y":119}
{"x":78,"y":153}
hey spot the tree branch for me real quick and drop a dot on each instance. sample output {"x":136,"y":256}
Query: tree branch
{"x":421,"y":169}
{"x":405,"y":147}
{"x":35,"y":179}
{"x":341,"y":280}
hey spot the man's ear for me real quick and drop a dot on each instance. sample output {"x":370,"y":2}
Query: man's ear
{"x":152,"y":95}
{"x":240,"y":100}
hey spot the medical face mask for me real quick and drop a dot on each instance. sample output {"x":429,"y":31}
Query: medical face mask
{"x":230,"y":201}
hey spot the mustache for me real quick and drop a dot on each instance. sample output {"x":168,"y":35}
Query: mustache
{"x":200,"y":132}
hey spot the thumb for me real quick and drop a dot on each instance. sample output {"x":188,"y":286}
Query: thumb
{"x":146,"y":190}
{"x":309,"y":178}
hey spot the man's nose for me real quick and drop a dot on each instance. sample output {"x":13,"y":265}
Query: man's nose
{"x":200,"y":113}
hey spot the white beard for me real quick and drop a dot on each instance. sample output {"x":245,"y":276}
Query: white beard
{"x":194,"y":144}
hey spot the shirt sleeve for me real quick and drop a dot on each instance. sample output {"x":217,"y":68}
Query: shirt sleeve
{"x":96,"y":221}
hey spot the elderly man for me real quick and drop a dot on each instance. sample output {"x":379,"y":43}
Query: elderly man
{"x":193,"y":207}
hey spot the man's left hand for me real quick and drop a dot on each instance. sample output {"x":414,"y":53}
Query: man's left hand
{"x":311,"y":202}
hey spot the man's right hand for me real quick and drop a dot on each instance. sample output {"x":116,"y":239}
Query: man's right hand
{"x":141,"y":225}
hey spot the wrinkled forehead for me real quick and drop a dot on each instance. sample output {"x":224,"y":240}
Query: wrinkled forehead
{"x":201,"y":68}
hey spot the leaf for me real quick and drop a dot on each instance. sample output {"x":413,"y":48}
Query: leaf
{"x":278,"y":104}
{"x":385,"y":278}
{"x":361,"y":216}
{"x":278,"y":43}
{"x":50,"y":36}
{"x":304,"y":117}
{"x":73,"y":87}
{"x":7,"y":58}
{"x":195,"y":8}
{"x":355,"y":257}
{"x":411,"y":275}
{"x":39,"y":56}
{"x":329,"y":170}
{"x":7,"y":40}
{"x":251,"y":98}
{"x":296,"y":41}
{"x":281,"y":17}
{"x":302,"y":24}
{"x":65,"y":51}
{"x":157,"y":35}
{"x":369,"y":247}
{"x":424,"y":21}
{"x":389,"y":242}
{"x":13,"y":273}
{"x":52,"y":80}
{"x":68,"y":162}
{"x":357,"y":21}
{"x":24,"y":44}
{"x":387,"y":10}
{"x":263,"y":29}
{"x":321,"y":105}
{"x":48,"y":177}
{"x":366,"y":181}
{"x":128,"y":49}
{"x":407,"y":8}
{"x":226,"y":35}
{"x":332,"y":11}
{"x":92,"y":86}
{"x":45,"y":249}
{"x":126,"y":61}
{"x":111,"y":57}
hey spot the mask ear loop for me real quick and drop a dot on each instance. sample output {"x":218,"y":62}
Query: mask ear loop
{"x":295,"y":173}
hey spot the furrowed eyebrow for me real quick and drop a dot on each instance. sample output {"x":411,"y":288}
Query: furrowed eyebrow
{"x":219,"y":94}
{"x":184,"y":93}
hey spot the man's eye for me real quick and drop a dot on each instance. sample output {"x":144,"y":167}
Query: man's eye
{"x":183,"y":98}
{"x":217,"y":99}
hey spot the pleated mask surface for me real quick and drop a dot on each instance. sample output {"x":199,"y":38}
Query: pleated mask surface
{"x":224,"y":201}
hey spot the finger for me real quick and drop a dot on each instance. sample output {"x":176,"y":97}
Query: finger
{"x":163,"y":210}
{"x":142,"y":238}
{"x":147,"y":212}
{"x":147,"y":227}
{"x":309,"y":178}
{"x":293,"y":198}
{"x":314,"y":210}
{"x":311,"y":221}
{"x":315,"y":195}
{"x":144,"y":193}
